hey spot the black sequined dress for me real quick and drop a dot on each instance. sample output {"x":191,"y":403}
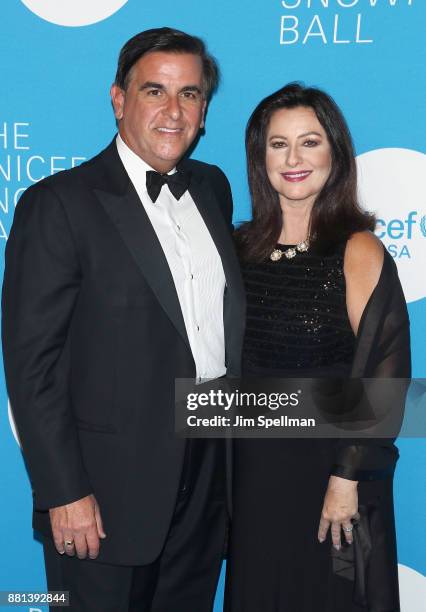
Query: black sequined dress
{"x":296,"y":314}
{"x":297,"y":325}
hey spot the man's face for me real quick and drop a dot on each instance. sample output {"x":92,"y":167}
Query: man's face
{"x":162,"y":109}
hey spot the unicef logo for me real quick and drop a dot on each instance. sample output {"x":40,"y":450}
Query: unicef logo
{"x":391,"y":184}
{"x":74,"y":13}
{"x":423,"y":225}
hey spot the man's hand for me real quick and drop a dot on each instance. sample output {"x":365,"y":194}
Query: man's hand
{"x":340,"y":506}
{"x":77,"y":528}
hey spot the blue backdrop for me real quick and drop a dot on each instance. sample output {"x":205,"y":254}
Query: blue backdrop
{"x":58,"y":60}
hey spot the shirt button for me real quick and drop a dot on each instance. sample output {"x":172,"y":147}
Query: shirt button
{"x":178,"y":227}
{"x":192,"y":277}
{"x":198,"y":328}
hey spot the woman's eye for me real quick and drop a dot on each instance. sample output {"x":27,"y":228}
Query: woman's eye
{"x":311,"y":143}
{"x":278,"y":144}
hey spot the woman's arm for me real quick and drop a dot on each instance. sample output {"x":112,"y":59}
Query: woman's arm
{"x":362,"y":267}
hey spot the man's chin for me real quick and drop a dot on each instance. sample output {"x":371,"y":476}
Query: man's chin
{"x":171,"y":157}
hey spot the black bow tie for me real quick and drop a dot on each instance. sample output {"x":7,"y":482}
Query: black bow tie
{"x":178,"y":183}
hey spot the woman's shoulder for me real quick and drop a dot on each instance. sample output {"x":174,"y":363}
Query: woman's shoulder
{"x":364,"y":255}
{"x":363,"y":262}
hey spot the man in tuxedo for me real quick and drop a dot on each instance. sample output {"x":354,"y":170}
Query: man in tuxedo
{"x":121,"y":277}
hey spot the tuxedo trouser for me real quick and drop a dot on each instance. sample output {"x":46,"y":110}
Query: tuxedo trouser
{"x":185,"y":575}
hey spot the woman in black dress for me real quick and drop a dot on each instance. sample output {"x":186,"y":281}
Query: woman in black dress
{"x":323,"y":300}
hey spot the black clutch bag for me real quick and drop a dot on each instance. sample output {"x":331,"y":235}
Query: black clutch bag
{"x":352,"y":560}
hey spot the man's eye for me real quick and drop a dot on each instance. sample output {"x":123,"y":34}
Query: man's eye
{"x":154,"y":92}
{"x":190,"y":95}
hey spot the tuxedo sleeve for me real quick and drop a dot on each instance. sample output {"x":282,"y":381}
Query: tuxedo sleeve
{"x":40,"y":290}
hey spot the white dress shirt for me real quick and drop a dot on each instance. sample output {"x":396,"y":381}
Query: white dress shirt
{"x":194,"y":262}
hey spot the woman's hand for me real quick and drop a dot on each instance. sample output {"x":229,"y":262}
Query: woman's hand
{"x":340,"y":506}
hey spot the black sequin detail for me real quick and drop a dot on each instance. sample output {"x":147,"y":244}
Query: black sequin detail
{"x":296,"y":313}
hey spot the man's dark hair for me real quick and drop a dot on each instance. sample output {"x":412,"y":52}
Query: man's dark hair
{"x":336,"y":214}
{"x":170,"y":41}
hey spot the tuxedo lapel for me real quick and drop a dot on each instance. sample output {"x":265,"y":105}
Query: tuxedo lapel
{"x":119,"y":198}
{"x":122,"y":204}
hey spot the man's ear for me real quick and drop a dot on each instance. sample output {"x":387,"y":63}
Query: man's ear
{"x":117,"y":99}
{"x":203,"y":114}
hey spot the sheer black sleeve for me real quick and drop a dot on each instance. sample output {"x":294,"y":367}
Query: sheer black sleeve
{"x":382,"y":352}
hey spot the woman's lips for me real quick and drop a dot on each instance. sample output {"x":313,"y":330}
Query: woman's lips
{"x":296,"y":177}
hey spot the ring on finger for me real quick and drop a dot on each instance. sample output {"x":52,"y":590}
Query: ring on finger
{"x":348,"y":529}
{"x":69,"y":543}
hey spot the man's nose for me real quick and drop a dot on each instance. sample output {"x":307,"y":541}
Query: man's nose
{"x":173,"y":107}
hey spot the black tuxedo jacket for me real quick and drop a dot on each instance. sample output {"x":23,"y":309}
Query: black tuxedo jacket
{"x":93,"y":339}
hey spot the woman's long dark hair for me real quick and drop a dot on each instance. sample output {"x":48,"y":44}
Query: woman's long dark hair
{"x":336,"y":214}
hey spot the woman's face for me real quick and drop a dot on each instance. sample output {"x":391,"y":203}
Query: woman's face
{"x":298,"y":155}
